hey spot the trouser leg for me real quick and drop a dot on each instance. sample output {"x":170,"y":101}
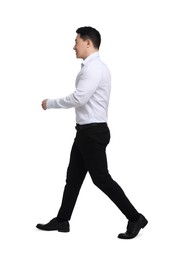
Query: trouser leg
{"x":94,"y":152}
{"x":76,"y":173}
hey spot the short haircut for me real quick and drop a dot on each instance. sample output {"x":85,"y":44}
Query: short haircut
{"x":90,"y":33}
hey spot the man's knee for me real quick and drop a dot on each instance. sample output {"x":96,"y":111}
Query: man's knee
{"x":101,"y":179}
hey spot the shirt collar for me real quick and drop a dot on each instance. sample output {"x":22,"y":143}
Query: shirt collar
{"x":90,"y":57}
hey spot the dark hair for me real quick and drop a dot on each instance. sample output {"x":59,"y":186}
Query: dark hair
{"x":90,"y":33}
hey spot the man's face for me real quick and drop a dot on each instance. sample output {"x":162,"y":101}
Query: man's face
{"x":80,"y":47}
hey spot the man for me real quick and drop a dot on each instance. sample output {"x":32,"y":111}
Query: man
{"x":88,"y":154}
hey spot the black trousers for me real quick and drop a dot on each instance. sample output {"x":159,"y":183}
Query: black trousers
{"x":88,"y":154}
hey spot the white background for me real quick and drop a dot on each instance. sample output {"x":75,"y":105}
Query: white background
{"x":37,"y":61}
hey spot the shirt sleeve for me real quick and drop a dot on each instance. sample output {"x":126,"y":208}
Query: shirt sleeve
{"x":87,"y":84}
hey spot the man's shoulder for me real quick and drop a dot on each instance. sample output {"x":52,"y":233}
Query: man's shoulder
{"x":96,"y":63}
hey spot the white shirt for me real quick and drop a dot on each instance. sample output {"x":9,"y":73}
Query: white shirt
{"x":91,"y":97}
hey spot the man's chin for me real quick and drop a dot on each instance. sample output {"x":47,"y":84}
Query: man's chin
{"x":78,"y":56}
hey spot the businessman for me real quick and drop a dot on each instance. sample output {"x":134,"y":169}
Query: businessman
{"x":88,"y":154}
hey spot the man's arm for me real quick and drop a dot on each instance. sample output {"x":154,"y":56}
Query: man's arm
{"x":86,"y":86}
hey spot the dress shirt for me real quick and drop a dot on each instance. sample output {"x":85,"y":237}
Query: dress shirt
{"x":91,"y":97}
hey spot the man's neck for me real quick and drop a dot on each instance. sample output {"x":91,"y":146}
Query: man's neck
{"x":90,"y":53}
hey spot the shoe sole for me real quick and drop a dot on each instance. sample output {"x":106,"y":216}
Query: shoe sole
{"x":64,"y":230}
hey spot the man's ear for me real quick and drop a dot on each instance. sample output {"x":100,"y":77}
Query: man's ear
{"x":89,"y":43}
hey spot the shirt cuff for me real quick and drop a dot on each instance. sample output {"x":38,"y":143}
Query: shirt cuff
{"x":50,"y":103}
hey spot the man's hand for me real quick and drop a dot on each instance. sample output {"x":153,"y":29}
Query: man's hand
{"x":44,"y":104}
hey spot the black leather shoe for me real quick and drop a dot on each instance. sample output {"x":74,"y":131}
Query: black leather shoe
{"x":55,"y":225}
{"x":133,"y":228}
